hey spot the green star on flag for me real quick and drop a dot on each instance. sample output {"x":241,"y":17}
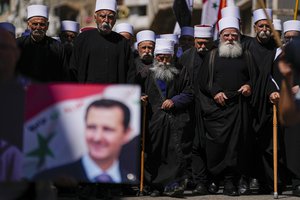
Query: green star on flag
{"x":215,"y":5}
{"x":43,"y":150}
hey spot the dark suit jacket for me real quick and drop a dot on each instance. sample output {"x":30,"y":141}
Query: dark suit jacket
{"x":76,"y":171}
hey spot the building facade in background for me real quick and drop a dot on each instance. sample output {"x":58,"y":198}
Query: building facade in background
{"x":142,"y":14}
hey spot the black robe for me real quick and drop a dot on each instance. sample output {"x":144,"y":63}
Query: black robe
{"x":41,"y":61}
{"x":263,"y":115}
{"x":141,"y":67}
{"x":228,"y":128}
{"x":98,"y":58}
{"x":196,"y":140}
{"x":163,"y":152}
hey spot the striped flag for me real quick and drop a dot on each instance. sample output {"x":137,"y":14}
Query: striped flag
{"x":211,"y":13}
{"x":54,"y":121}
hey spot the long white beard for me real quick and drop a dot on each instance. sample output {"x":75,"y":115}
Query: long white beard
{"x":163,"y":71}
{"x":228,"y":50}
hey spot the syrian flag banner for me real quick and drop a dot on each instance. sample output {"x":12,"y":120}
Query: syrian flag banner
{"x":210,"y":9}
{"x":211,"y":13}
{"x":55,"y":117}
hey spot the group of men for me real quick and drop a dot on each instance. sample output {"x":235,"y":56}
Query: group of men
{"x":209,"y":103}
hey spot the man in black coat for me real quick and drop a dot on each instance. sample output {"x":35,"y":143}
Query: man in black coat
{"x":42,"y":57}
{"x":194,"y":142}
{"x":102,"y":55}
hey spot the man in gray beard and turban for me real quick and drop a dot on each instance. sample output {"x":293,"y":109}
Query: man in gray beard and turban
{"x":226,"y":80}
{"x":168,"y":92}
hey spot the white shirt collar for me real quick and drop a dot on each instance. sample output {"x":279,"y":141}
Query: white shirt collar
{"x":297,"y":96}
{"x":92,"y":170}
{"x":278,"y":52}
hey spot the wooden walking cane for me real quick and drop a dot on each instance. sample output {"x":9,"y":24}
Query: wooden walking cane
{"x":279,"y":44}
{"x":275,"y":162}
{"x":143,"y":147}
{"x":296,"y":10}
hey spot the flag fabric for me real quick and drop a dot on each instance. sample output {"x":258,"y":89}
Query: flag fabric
{"x":221,"y":6}
{"x":54,"y":121}
{"x":183,"y":12}
{"x":210,"y":9}
{"x":211,"y":13}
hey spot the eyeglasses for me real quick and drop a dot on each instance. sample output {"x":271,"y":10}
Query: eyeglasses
{"x":108,"y":16}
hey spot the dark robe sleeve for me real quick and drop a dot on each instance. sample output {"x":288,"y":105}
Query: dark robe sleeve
{"x":132,"y":72}
{"x":73,"y":65}
{"x":186,"y":93}
{"x":204,"y":77}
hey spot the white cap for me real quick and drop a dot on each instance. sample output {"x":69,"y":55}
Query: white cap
{"x":37,"y":11}
{"x":106,"y":5}
{"x":260,"y":14}
{"x":228,"y":22}
{"x":203,"y":31}
{"x":231,"y":11}
{"x":146,"y":35}
{"x":124,"y":27}
{"x":164,"y":46}
{"x":291,"y":25}
{"x":277,"y":24}
{"x":173,"y":37}
{"x":67,"y":25}
{"x":187,"y":30}
{"x":8,"y":27}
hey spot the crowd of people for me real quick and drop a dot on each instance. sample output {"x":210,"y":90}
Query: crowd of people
{"x":209,"y":103}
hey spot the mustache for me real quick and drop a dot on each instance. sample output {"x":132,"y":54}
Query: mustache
{"x":146,"y":54}
{"x":106,"y":25}
{"x":38,"y":32}
{"x":202,"y":49}
{"x":264,"y":34}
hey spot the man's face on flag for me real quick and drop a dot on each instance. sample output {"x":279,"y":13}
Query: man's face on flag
{"x":105,"y":133}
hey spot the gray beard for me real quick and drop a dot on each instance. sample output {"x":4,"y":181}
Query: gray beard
{"x":227,"y":50}
{"x":104,"y":28}
{"x":164,"y":72}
